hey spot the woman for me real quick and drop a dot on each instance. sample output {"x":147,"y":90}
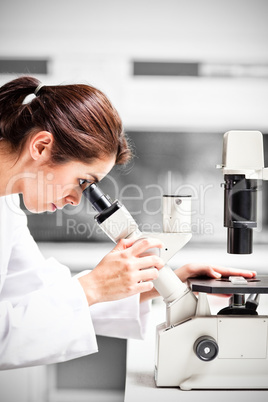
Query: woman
{"x":50,"y":148}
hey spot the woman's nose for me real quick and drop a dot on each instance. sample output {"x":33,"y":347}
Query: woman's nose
{"x":73,"y":198}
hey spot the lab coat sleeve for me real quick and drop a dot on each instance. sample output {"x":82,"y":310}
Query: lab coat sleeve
{"x":126,"y":318}
{"x":44,"y":315}
{"x":46,"y":326}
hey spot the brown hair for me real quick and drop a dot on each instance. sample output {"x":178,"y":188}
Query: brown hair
{"x":82,"y":120}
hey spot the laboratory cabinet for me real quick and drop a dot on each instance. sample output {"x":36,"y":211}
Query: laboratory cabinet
{"x":99,"y":377}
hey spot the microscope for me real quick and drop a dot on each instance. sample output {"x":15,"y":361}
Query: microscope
{"x":195,"y":349}
{"x":243,"y":170}
{"x":116,"y":221}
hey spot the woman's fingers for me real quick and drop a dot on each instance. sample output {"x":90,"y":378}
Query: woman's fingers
{"x":213,"y":270}
{"x":149,"y":274}
{"x":146,"y":245}
{"x":123,"y":244}
{"x":148,"y":262}
{"x":193,"y":270}
{"x":226,"y":271}
{"x":140,"y":246}
{"x":143,"y":287}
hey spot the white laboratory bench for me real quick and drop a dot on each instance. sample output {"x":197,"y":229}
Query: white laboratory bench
{"x":140,"y":385}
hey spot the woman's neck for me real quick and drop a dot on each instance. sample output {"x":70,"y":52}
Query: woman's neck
{"x":11,"y":170}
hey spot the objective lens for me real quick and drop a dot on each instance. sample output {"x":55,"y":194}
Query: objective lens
{"x":239,"y":241}
{"x":240,"y":213}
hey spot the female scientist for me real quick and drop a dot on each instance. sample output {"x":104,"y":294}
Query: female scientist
{"x":50,"y":148}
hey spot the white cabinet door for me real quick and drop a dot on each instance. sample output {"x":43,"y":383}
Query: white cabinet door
{"x":24,"y":385}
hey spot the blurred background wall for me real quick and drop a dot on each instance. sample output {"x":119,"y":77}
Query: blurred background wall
{"x":180,"y":73}
{"x":99,"y":42}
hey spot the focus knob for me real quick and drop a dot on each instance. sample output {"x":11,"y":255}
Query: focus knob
{"x":206,"y":348}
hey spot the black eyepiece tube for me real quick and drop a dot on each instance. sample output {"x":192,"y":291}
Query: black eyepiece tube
{"x":97,"y":198}
{"x":240,"y":213}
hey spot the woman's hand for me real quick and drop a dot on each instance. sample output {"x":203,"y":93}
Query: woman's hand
{"x":125,"y":271}
{"x":194,"y":270}
{"x":213,"y":271}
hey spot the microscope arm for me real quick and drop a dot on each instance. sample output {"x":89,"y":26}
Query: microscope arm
{"x":180,"y":301}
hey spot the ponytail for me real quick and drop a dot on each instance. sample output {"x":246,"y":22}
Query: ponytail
{"x":84,"y":124}
{"x":14,"y":115}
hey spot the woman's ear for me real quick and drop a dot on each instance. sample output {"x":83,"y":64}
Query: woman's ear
{"x":41,"y":145}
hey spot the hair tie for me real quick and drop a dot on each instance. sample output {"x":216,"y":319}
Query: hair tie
{"x":37,"y":89}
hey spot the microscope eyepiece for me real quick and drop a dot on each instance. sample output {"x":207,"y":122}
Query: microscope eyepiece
{"x":101,"y":203}
{"x":98,"y":199}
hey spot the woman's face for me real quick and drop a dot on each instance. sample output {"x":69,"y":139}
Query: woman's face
{"x":51,"y":188}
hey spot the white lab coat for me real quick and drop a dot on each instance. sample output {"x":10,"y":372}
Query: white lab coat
{"x":44,"y":316}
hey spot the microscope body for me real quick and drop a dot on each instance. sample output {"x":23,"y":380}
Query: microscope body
{"x":213,"y":352}
{"x":227,"y":350}
{"x":195,"y":349}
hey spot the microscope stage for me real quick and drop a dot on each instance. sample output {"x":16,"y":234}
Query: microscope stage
{"x":223,"y":285}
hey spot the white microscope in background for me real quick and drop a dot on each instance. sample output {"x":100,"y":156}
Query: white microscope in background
{"x":195,"y":349}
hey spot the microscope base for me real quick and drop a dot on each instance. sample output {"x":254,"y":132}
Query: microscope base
{"x":215,"y":352}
